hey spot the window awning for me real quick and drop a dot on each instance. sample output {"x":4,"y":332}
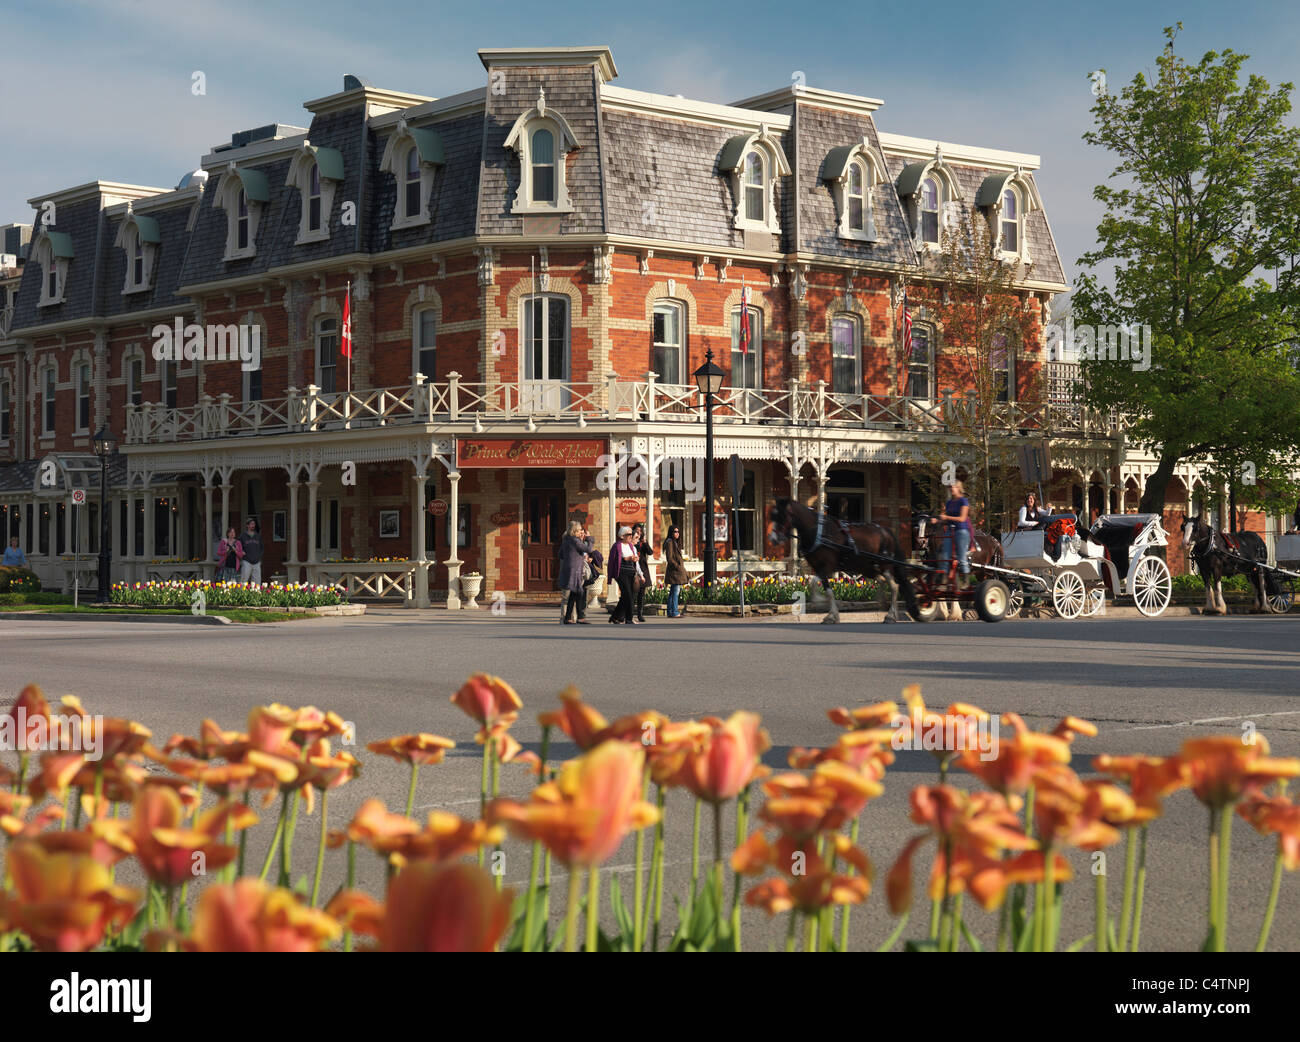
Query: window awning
{"x":60,"y":244}
{"x":837,"y":162}
{"x":329,"y":161}
{"x":255,"y":186}
{"x":429,"y":144}
{"x":991,"y":188}
{"x":733,"y":151}
{"x":910,"y":179}
{"x":148,"y":229}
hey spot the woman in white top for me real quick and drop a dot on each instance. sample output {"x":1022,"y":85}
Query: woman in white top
{"x":1030,"y":515}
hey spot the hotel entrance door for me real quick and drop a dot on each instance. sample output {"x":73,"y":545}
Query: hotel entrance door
{"x":543,"y":528}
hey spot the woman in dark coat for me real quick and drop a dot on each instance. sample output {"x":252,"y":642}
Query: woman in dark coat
{"x":573,"y":555}
{"x":675,"y":575}
{"x":644,"y":553}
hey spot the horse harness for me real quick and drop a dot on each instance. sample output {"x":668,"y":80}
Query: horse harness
{"x":846,"y":551}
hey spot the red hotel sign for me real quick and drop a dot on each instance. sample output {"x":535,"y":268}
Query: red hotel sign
{"x":530,"y":452}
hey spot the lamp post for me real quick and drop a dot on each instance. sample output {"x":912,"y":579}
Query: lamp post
{"x":105,"y":446}
{"x":708,"y":378}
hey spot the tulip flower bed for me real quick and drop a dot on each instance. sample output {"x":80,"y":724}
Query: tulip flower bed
{"x":179,"y":593}
{"x":1002,"y":839}
{"x":770,"y":590}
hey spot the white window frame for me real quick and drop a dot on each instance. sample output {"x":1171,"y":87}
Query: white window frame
{"x":168,"y":380}
{"x":51,"y":267}
{"x":657,"y":347}
{"x":229,"y":194}
{"x":520,"y":141}
{"x":6,"y":417}
{"x":855,"y":324}
{"x":48,"y":384}
{"x":922,"y":210}
{"x":323,"y":505}
{"x":1008,"y":366}
{"x":931,"y":334}
{"x":774,"y":165}
{"x":1017,"y":222}
{"x":84,"y":385}
{"x":134,"y":357}
{"x":246,"y":384}
{"x":861,"y":160}
{"x":319,"y":333}
{"x":395,"y":160}
{"x":525,"y":346}
{"x":755,"y":347}
{"x":128,"y":239}
{"x":417,"y":339}
{"x":304,"y":167}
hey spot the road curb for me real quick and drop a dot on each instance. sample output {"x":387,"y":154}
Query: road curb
{"x":210,"y":620}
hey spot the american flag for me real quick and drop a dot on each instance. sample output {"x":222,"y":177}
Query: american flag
{"x":744,"y":320}
{"x":907,"y":345}
{"x":345,"y":339}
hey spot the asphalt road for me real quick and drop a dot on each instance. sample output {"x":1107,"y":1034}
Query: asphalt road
{"x":1148,"y":685}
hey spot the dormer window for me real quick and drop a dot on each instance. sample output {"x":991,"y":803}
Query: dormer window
{"x":243,"y":194}
{"x":754,"y":162}
{"x":1007,"y":197}
{"x":851,"y":172}
{"x":1010,"y":221}
{"x":931,"y":197}
{"x":316,"y":173}
{"x":53,"y":253}
{"x":542,"y":139}
{"x":413,"y":156}
{"x":138,"y":237}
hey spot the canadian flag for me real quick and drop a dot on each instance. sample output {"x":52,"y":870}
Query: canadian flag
{"x":346,"y":339}
{"x":744,"y":320}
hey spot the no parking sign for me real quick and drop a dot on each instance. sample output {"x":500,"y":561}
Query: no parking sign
{"x":78,"y":497}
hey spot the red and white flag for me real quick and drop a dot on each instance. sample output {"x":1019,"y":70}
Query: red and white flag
{"x":907,"y":345}
{"x":744,"y":320}
{"x":346,"y":339}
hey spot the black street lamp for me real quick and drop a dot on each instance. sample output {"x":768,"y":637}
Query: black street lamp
{"x":708,"y":378}
{"x":105,"y":446}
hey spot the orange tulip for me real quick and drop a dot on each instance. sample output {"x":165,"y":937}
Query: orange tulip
{"x":488,"y":699}
{"x":444,"y":837}
{"x":1067,"y":812}
{"x":728,"y":759}
{"x":1220,"y":770}
{"x":583,"y":815}
{"x":1072,"y":725}
{"x":1150,"y":779}
{"x":674,"y":742}
{"x":414,"y":748}
{"x":269,"y":727}
{"x":444,"y":908}
{"x":864,"y":718}
{"x":64,"y":902}
{"x":168,"y":852}
{"x":1019,"y":756}
{"x":249,"y":916}
{"x":105,"y":840}
{"x":375,"y":827}
{"x":575,"y":718}
{"x":1277,"y":815}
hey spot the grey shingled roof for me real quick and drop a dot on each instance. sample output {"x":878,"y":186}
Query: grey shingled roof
{"x":572,"y":92}
{"x":166,"y":271}
{"x":82,"y":221}
{"x":819,"y":131}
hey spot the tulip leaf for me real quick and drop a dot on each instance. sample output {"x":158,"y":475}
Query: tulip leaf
{"x":622,"y":916}
{"x":926,"y":945}
{"x":975,"y":945}
{"x":1080,"y":944}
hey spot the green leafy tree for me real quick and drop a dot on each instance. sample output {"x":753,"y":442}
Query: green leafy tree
{"x":1203,"y":201}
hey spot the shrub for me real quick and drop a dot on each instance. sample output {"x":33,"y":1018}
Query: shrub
{"x":18,"y":580}
{"x":769,"y":590}
{"x":177,"y":593}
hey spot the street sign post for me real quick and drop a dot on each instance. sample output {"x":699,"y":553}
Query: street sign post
{"x":737,"y":484}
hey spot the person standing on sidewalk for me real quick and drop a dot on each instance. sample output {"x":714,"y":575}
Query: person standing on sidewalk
{"x":229,"y":554}
{"x":250,"y":568}
{"x":574,"y":555}
{"x":623,"y":570}
{"x":644,"y":552}
{"x":674,"y":570}
{"x":14,"y":556}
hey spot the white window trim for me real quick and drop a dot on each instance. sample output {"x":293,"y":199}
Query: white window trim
{"x":856,"y":322}
{"x":78,"y":362}
{"x":755,"y":346}
{"x":680,"y":307}
{"x":1026,"y":203}
{"x":133,"y":353}
{"x":872,"y":175}
{"x":520,"y":141}
{"x":416,"y":347}
{"x":949,"y":200}
{"x":1011,"y":363}
{"x":316,"y":333}
{"x":228,"y":199}
{"x":128,"y":236}
{"x":299,"y":177}
{"x":394,"y":162}
{"x":166,"y":366}
{"x":41,"y":383}
{"x":775,"y":165}
{"x":44,"y":256}
{"x":525,"y":348}
{"x":933,"y":334}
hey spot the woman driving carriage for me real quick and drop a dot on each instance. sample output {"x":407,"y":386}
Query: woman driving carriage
{"x":957,"y":532}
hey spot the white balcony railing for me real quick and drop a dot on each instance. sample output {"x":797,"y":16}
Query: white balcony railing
{"x":794,"y":405}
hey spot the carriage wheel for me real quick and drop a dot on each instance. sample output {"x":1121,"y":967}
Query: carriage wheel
{"x":1017,"y":603}
{"x":992,"y":598}
{"x":1282,"y":597}
{"x":928,"y":609}
{"x":1069,"y":596}
{"x":1152,"y":586}
{"x":1096,"y":600}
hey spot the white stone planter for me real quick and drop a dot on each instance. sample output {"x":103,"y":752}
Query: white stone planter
{"x":470,"y":587}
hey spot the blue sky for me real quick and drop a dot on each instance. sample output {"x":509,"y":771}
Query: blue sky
{"x":101,"y":88}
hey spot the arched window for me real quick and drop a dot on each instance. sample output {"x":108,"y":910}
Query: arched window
{"x":83,"y":396}
{"x":846,"y":351}
{"x":51,"y":280}
{"x":545,"y":337}
{"x":137,"y":263}
{"x":1011,"y":221}
{"x":542,"y":155}
{"x":857,"y":196}
{"x":327,"y":350}
{"x":6,"y":412}
{"x":241,"y":221}
{"x":313,"y":199}
{"x":931,"y":201}
{"x":48,"y":383}
{"x":411,"y":185}
{"x":1002,"y":362}
{"x":670,"y":341}
{"x":920,"y":363}
{"x":424,"y":329}
{"x":755,"y":188}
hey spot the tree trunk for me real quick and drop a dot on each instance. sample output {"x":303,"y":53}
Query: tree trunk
{"x":1153,"y":495}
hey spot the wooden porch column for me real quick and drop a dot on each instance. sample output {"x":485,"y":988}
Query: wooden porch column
{"x":453,"y":562}
{"x":417,"y":539}
{"x":291,"y":563}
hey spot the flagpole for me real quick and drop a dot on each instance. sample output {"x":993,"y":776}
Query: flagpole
{"x":348,"y":299}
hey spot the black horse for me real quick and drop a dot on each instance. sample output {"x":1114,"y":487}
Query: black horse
{"x":1218,"y":554}
{"x":831,"y":546}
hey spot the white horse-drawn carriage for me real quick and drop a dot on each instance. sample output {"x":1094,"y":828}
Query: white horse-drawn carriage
{"x":1282,"y":578}
{"x":1072,"y":570}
